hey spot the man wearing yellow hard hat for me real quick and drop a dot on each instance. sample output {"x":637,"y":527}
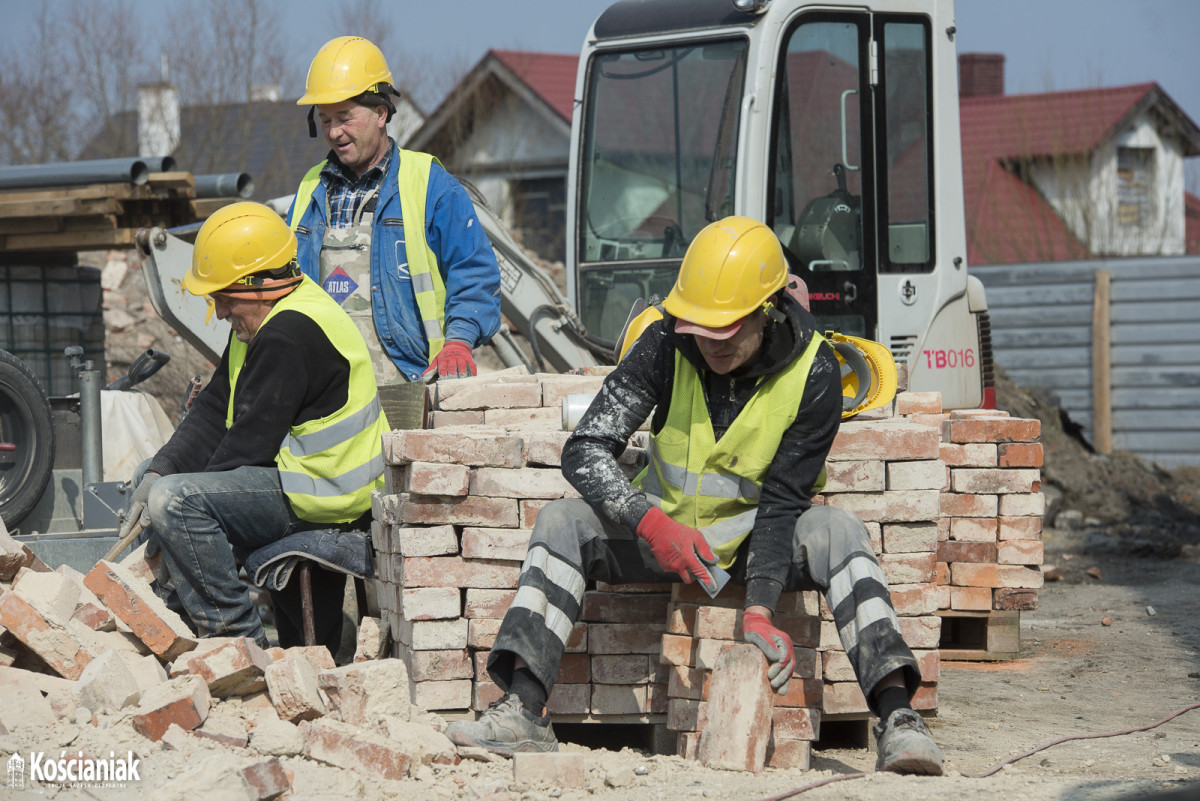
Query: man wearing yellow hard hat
{"x":388,"y":233}
{"x":744,"y":398}
{"x":285,"y":436}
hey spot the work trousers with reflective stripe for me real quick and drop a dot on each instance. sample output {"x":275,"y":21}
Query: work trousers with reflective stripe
{"x":571,"y":543}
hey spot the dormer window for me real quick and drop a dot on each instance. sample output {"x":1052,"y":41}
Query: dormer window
{"x":1135,"y":186}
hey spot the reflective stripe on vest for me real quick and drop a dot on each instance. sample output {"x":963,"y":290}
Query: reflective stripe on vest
{"x":715,"y":486}
{"x":412,"y":178}
{"x":328,"y":466}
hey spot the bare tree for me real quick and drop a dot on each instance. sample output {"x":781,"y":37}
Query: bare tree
{"x":105,"y":57}
{"x":369,"y":19}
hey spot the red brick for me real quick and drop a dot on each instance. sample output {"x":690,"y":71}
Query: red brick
{"x":428,"y":478}
{"x":999,"y":481}
{"x":544,"y":447}
{"x":616,"y":607}
{"x":485,"y":393}
{"x":918,"y":403}
{"x":943,"y":591}
{"x":1022,"y":505}
{"x":430,"y":603}
{"x":909,"y":568}
{"x":885,"y":440}
{"x":620,"y":699}
{"x":1020,"y":454}
{"x":678,"y":650}
{"x":685,"y":714}
{"x":789,"y":754}
{"x":434,"y":695}
{"x":236,"y":668}
{"x":481,"y":632}
{"x":266,"y":779}
{"x":843,"y":698}
{"x":795,"y":723}
{"x":466,"y":447}
{"x":577,"y":668}
{"x":495,"y":543}
{"x":439,"y":635}
{"x":802,"y":693}
{"x":971,"y":599}
{"x":44,"y":633}
{"x":557,"y":770}
{"x":926,"y":698}
{"x":886,"y":507}
{"x":717,"y":623}
{"x":529,"y":482}
{"x":466,"y":511}
{"x":96,"y":618}
{"x":472,"y":417}
{"x":485,"y":692}
{"x":292,"y":682}
{"x":971,"y":575}
{"x":621,"y":669}
{"x":224,"y":729}
{"x":707,"y":651}
{"x":557,"y":387}
{"x":974,"y":454}
{"x":454,"y":571}
{"x":681,"y":618}
{"x":918,"y":475}
{"x":980,"y":552}
{"x":856,"y":476}
{"x":624,"y":638}
{"x":689,"y":744}
{"x":943,"y":573}
{"x":134,"y":602}
{"x":355,"y":749}
{"x":1006,"y":429}
{"x":687,"y":682}
{"x":732,"y":596}
{"x":804,"y":630}
{"x":1019,"y":552}
{"x":910,"y":537}
{"x":914,"y":599}
{"x":1010,"y":598}
{"x":514,"y":418}
{"x":529,"y":511}
{"x":570,"y":699}
{"x":956,"y":505}
{"x":921,"y":632}
{"x":740,"y":697}
{"x":488,"y":603}
{"x":974,"y":529}
{"x":183,"y":701}
{"x":1020,"y":528}
{"x":440,"y":665}
{"x":425,"y":540}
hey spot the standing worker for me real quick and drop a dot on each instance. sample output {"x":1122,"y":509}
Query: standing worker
{"x":388,"y":233}
{"x":746,"y":400}
{"x":285,"y":437}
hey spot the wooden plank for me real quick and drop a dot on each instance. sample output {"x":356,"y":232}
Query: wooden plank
{"x":179,"y":179}
{"x":203,"y":208}
{"x":45,"y":225}
{"x":1102,"y":432}
{"x":91,"y":191}
{"x":70,"y":240}
{"x":57,"y":207}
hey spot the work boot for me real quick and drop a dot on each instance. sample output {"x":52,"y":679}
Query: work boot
{"x":905,"y":745}
{"x":507,"y":726}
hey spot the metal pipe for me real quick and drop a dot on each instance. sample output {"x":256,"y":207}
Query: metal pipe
{"x":225,"y":184}
{"x":73,"y":173}
{"x":92,"y":447}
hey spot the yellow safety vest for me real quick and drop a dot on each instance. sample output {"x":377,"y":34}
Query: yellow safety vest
{"x":412,"y":178}
{"x":328,"y":466}
{"x":715,"y":486}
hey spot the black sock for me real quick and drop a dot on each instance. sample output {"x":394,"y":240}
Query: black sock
{"x":531,"y":692}
{"x":890,"y":700}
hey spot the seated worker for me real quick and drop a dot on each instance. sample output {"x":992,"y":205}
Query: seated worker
{"x":746,"y":399}
{"x":285,"y":436}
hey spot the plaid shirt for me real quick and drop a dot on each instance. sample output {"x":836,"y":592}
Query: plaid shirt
{"x":347,"y":191}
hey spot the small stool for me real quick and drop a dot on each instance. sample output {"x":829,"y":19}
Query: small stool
{"x":349,"y":552}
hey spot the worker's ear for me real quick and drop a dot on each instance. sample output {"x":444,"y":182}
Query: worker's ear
{"x":381,"y":113}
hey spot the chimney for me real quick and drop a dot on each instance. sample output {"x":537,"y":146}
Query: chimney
{"x":268,"y":92}
{"x":981,"y":75}
{"x":158,"y":116}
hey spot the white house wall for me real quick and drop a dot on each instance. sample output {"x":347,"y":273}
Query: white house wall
{"x":1086,"y":198}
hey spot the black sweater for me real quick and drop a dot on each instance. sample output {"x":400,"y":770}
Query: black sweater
{"x":292,"y":374}
{"x":642,"y":384}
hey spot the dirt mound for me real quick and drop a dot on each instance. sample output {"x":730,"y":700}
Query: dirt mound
{"x":1143,"y":508}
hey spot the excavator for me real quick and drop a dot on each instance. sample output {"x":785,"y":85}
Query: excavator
{"x":835,"y":123}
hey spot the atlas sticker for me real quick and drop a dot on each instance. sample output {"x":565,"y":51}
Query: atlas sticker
{"x":339,"y":285}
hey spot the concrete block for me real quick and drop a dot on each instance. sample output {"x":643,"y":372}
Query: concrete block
{"x":738,"y":715}
{"x":183,"y":701}
{"x":133,"y":601}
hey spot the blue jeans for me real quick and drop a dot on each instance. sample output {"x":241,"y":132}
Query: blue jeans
{"x":203,"y":523}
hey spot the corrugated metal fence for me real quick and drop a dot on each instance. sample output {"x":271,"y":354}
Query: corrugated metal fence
{"x":1042,"y":316}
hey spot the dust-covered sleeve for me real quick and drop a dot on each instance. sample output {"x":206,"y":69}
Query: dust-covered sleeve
{"x":625,"y":401}
{"x":787,"y":487}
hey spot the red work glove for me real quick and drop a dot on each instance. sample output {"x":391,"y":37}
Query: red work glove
{"x":453,"y":361}
{"x":677,"y":548}
{"x":777,"y":646}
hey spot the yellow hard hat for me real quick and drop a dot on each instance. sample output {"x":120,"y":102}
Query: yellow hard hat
{"x":236,"y":242}
{"x":343,"y":68}
{"x":868,"y":373}
{"x":637,"y":323}
{"x":730,"y":269}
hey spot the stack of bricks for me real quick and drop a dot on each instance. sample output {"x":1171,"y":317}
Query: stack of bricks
{"x":452,"y":526}
{"x":989,"y":552}
{"x":450,"y":533}
{"x":700,"y":628}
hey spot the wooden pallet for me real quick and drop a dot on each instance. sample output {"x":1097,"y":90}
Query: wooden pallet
{"x":980,"y":636}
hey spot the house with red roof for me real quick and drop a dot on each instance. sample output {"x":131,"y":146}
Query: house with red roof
{"x":1055,"y":176}
{"x":1059,"y":176}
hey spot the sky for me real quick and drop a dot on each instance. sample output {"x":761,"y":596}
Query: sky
{"x":1048,"y":44}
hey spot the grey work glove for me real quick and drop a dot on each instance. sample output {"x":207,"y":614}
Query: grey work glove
{"x":138,"y":511}
{"x":774,"y":644}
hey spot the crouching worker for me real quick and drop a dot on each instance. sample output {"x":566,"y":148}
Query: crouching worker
{"x":285,"y":437}
{"x":746,"y":399}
